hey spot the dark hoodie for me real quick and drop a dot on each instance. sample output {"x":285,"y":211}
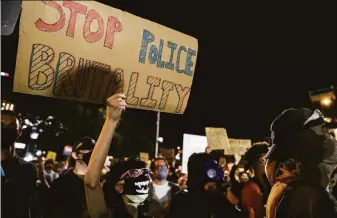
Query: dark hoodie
{"x":196,"y":202}
{"x":303,"y":146}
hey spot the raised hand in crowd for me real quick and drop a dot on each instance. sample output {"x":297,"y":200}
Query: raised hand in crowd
{"x":94,"y":192}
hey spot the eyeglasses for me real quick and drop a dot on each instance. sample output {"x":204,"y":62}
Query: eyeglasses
{"x":315,"y":116}
{"x":134,"y":173}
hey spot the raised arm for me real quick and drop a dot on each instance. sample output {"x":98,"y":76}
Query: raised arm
{"x":94,"y":192}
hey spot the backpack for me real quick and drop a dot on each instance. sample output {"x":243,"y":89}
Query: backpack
{"x":303,"y":199}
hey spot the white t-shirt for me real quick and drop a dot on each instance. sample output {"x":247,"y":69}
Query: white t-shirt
{"x":160,"y":198}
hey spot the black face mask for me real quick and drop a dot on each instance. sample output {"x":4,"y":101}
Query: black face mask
{"x":86,"y":157}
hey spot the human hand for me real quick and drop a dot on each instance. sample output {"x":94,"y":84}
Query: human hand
{"x":115,"y":105}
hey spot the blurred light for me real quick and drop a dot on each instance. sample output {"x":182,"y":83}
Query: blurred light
{"x":328,"y":119}
{"x":27,"y":121}
{"x":38,"y":153}
{"x":34,"y":135}
{"x":177,"y":157}
{"x":326,"y":102}
{"x":7,"y":106}
{"x":4,"y":74}
{"x":50,"y":117}
{"x":160,"y":139}
{"x":24,"y":126}
{"x":29,"y":157}
{"x":40,"y":130}
{"x":67,"y":150}
{"x":44,"y":152}
{"x":49,"y":123}
{"x":178,"y":148}
{"x":34,"y":128}
{"x":19,"y":145}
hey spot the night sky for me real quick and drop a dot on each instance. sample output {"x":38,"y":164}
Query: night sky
{"x":254,"y":60}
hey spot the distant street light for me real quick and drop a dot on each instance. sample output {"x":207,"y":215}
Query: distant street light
{"x":160,"y":139}
{"x":4,"y":74}
{"x":29,"y":157}
{"x":7,"y":106}
{"x":326,"y":102}
{"x":328,"y":119}
{"x":325,"y":97}
{"x":34,"y":135}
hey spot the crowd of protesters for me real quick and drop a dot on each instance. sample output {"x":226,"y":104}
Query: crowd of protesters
{"x":293,"y":177}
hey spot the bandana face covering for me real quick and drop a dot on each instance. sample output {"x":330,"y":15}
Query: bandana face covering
{"x":86,"y":157}
{"x":136,"y":184}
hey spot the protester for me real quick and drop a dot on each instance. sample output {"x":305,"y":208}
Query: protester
{"x":59,"y":168}
{"x":126,"y":189}
{"x":161,"y":190}
{"x":67,"y":194}
{"x":300,"y":164}
{"x":49,"y":174}
{"x":255,"y":192}
{"x":182,"y":181}
{"x":204,"y":198}
{"x":128,"y":181}
{"x":19,"y":177}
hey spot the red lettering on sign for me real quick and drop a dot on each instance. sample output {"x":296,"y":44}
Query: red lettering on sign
{"x":93,"y":36}
{"x":114,"y":25}
{"x":41,"y":25}
{"x":75,"y":8}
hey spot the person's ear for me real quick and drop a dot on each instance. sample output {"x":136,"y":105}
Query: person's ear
{"x":119,"y":188}
{"x":262,"y":161}
{"x":74,"y":155}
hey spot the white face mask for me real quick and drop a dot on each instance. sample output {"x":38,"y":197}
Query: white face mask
{"x":137,"y":198}
{"x":132,"y":202}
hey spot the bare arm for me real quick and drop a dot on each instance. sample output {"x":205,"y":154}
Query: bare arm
{"x":93,"y":189}
{"x":96,"y":163}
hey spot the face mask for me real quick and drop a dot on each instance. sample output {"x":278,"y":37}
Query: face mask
{"x":137,"y":199}
{"x":162,"y":173}
{"x":86,"y":157}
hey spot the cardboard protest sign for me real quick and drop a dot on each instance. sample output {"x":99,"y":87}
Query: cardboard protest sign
{"x":88,"y":51}
{"x":144,"y":156}
{"x":167,"y":153}
{"x":51,"y":155}
{"x":240,"y":146}
{"x":217,"y":139}
{"x":192,"y":144}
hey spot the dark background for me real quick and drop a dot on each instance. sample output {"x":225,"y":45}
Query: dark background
{"x":255,"y":59}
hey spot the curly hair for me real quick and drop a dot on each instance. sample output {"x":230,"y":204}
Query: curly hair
{"x":254,"y":153}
